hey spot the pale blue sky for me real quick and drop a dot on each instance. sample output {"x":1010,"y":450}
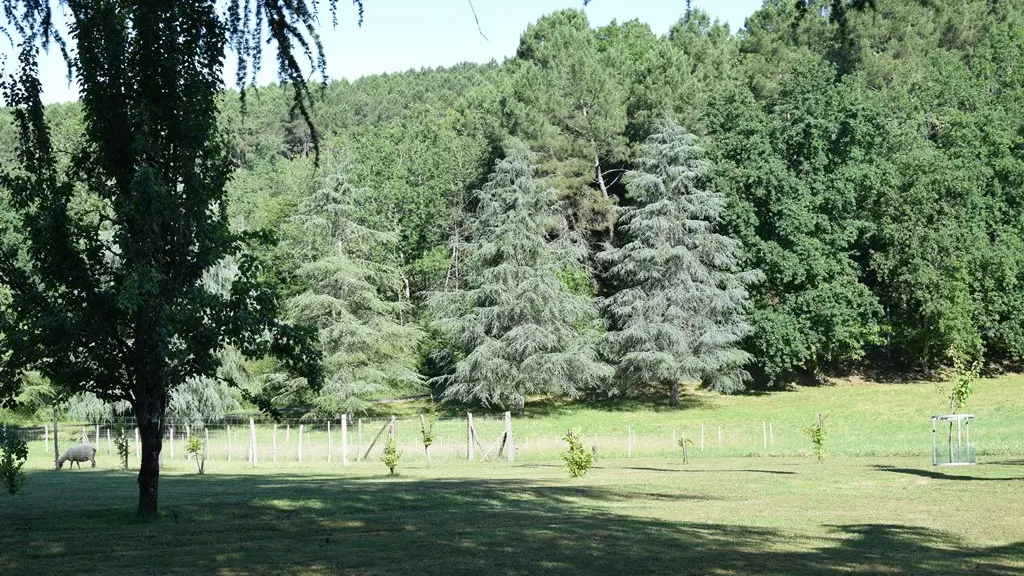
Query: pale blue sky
{"x":401,"y":34}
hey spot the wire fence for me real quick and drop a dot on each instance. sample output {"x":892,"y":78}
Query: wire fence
{"x":306,"y":442}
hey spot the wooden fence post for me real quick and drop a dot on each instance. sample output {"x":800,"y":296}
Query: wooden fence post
{"x":469,"y":435}
{"x":252,"y":442}
{"x":97,"y":436}
{"x":330,"y":442}
{"x":300,"y":442}
{"x":46,"y":437}
{"x":288,"y":434}
{"x":109,"y":447}
{"x":172,"y":442}
{"x":508,"y":437}
{"x":56,"y":440}
{"x":136,"y":441}
{"x":344,"y":439}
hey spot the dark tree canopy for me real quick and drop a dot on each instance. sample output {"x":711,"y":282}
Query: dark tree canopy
{"x":104,"y":257}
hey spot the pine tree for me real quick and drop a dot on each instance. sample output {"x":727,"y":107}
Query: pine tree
{"x":678,"y":312}
{"x":520,"y":328}
{"x":353,"y":296}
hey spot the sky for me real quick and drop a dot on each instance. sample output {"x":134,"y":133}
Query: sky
{"x":399,"y":35}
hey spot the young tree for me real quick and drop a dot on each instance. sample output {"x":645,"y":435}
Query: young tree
{"x":678,"y":312}
{"x":105,"y":271}
{"x":520,"y":328}
{"x":353,"y":294}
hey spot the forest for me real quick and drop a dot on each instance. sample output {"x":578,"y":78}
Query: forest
{"x":827,"y":190}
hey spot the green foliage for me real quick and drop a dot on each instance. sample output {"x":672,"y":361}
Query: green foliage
{"x":516,"y":325}
{"x":13,"y":454}
{"x":427,"y":424}
{"x":391,"y":456}
{"x":577,"y":460}
{"x":679,"y":309}
{"x":121,"y":443}
{"x":816,"y":432}
{"x":196,"y":448}
{"x":964,"y":376}
{"x":351,"y":290}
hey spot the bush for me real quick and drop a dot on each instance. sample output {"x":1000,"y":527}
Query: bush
{"x":13,"y":453}
{"x":197,"y":450}
{"x":121,"y":443}
{"x":577,"y":459}
{"x":391,"y":455}
{"x":817,"y":433}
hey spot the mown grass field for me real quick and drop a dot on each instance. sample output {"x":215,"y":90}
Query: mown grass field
{"x":875,"y":506}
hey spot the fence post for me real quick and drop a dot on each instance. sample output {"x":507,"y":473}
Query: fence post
{"x":344,"y":439}
{"x":508,"y":437}
{"x":108,"y":441}
{"x":391,"y":432}
{"x":330,"y":441}
{"x":188,"y":438}
{"x":288,"y":434}
{"x":686,"y":456}
{"x":172,"y":442}
{"x":300,"y":442}
{"x":469,"y":435}
{"x":252,"y":441}
{"x":56,"y":439}
{"x":97,"y":436}
{"x":46,"y":437}
{"x":136,"y":441}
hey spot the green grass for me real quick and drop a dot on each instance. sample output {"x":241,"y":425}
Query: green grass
{"x":874,"y":506}
{"x":637,"y":516}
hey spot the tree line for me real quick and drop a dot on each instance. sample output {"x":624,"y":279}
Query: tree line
{"x":831,"y":188}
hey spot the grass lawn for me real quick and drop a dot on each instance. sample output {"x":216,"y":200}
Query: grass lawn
{"x":723,"y":516}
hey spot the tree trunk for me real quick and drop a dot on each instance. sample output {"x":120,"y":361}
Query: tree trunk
{"x":673,"y":396}
{"x":150,"y":419}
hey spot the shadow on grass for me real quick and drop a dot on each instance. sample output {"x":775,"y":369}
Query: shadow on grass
{"x":926,"y":473}
{"x":280,"y":523}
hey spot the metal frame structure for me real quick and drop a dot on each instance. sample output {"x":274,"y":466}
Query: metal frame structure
{"x":963,"y":455}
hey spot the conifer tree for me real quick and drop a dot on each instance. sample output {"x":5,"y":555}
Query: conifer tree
{"x":351,"y":294}
{"x":520,"y":329}
{"x":678,"y":312}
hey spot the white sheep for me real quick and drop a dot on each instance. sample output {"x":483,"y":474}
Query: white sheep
{"x":78,"y":453}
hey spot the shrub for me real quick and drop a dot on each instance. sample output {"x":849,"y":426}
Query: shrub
{"x":577,"y":459}
{"x":13,"y":453}
{"x":817,"y":433}
{"x":391,"y":455}
{"x":121,"y":443}
{"x":197,"y":450}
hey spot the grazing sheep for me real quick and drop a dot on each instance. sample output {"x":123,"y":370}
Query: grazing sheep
{"x":78,"y":453}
